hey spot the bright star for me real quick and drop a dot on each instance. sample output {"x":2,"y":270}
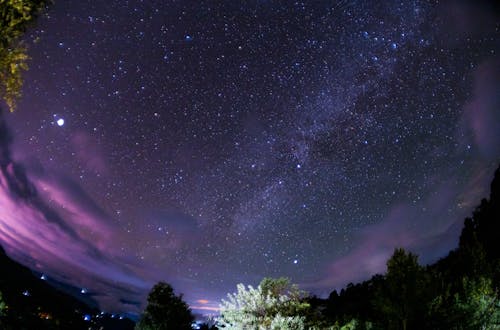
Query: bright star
{"x":60,"y":122}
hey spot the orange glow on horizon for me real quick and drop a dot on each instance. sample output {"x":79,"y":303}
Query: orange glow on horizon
{"x":206,"y":308}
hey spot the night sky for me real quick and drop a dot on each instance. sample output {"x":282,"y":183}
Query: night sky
{"x":208,"y":143}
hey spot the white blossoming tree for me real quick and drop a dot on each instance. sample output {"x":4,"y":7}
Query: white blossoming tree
{"x":274,"y":304}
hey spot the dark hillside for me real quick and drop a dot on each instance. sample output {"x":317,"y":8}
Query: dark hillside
{"x":31,"y":303}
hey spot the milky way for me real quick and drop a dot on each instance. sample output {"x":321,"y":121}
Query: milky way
{"x":207,"y":143}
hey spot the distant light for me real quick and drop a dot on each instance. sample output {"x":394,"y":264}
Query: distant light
{"x":188,"y":37}
{"x":87,"y":317}
{"x":26,"y":293}
{"x":60,"y":122}
{"x":43,"y":277}
{"x":295,"y":261}
{"x":83,"y":291}
{"x":299,"y":166}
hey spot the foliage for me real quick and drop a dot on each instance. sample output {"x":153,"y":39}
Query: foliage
{"x":15,"y":15}
{"x":287,"y":322}
{"x":165,"y":310}
{"x":274,"y":304}
{"x":479,"y":305}
{"x":355,"y":324}
{"x":206,"y":326}
{"x":3,"y":306}
{"x":401,"y":298}
{"x":277,"y":286}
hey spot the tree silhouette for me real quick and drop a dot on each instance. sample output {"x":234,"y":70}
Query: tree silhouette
{"x":3,"y":307}
{"x":165,"y":310}
{"x":401,"y":299}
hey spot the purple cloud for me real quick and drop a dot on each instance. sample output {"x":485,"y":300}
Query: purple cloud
{"x":481,"y":115}
{"x":52,"y":223}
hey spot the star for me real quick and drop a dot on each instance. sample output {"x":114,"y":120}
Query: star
{"x":181,"y":142}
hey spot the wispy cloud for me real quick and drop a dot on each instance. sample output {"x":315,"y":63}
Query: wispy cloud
{"x":50,"y":222}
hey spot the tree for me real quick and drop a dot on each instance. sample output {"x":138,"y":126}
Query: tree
{"x":401,"y":299}
{"x":3,"y":306}
{"x":15,"y":15}
{"x":165,"y":310}
{"x":478,"y":306}
{"x":274,"y":304}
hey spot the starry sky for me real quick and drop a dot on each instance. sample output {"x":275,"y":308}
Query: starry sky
{"x":208,"y":143}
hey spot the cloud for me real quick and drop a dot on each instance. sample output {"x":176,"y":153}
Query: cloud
{"x":481,"y":115}
{"x":50,"y":222}
{"x":206,"y":308}
{"x":206,"y":305}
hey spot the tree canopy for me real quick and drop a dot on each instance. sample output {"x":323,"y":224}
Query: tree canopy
{"x":15,"y":15}
{"x":274,"y":304}
{"x":2,"y":305}
{"x":165,"y":310}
